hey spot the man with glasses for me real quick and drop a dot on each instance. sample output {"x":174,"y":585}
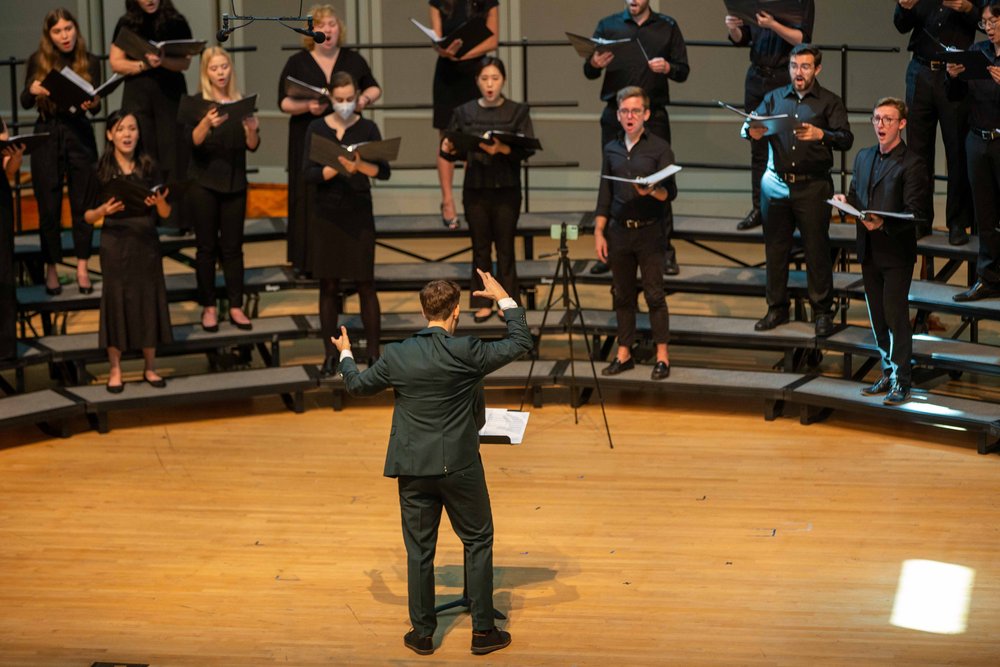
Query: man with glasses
{"x":892,"y":178}
{"x":657,"y":56}
{"x":982,"y":148}
{"x":628,"y":228}
{"x":770,"y":41}
{"x":796,"y":185}
{"x":934,"y":25}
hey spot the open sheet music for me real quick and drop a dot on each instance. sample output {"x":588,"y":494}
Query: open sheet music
{"x":774,"y":124}
{"x":136,"y":47}
{"x":327,"y":152}
{"x":975,"y":62}
{"x":652,"y":179}
{"x":504,"y":427}
{"x":464,"y":142}
{"x":69,"y":90}
{"x":586,"y":46}
{"x":862,"y":215}
{"x":472,"y":33}
{"x":786,"y":12}
{"x":193,"y":108}
{"x":29,"y":141}
{"x":300,"y":90}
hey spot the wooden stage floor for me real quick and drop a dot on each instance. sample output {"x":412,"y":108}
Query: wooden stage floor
{"x":242,"y":534}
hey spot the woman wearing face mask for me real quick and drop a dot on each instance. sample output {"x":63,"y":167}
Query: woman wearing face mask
{"x":316,"y":65}
{"x":341,"y":224}
{"x":492,"y":191}
{"x":10,"y":161}
{"x":454,"y":78}
{"x":71,"y":151}
{"x":217,"y":196}
{"x":155,"y":86}
{"x":134,"y":312}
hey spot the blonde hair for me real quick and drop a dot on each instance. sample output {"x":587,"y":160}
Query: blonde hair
{"x":321,"y":13}
{"x":232,"y":91}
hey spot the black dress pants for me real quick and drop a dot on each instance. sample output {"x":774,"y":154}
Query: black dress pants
{"x":887,"y":290}
{"x":67,"y":157}
{"x":630,"y":250}
{"x":492,"y":215}
{"x":785,"y":208}
{"x":218,"y":230}
{"x":929,"y":107}
{"x":759,"y":82}
{"x":984,"y":175}
{"x":464,"y":495}
{"x":659,"y":126}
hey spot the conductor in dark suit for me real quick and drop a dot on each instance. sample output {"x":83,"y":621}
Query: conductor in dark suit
{"x":433,"y":451}
{"x":891,"y":178}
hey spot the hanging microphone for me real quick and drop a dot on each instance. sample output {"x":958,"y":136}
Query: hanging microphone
{"x":223,"y":35}
{"x":308,"y":31}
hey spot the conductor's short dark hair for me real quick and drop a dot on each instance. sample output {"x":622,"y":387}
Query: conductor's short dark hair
{"x":438,"y":299}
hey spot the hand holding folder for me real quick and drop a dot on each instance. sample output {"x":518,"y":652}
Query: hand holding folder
{"x":300,"y":90}
{"x":68,"y":90}
{"x":771,"y":124}
{"x":471,"y":34}
{"x":647,"y":181}
{"x":29,"y":141}
{"x":193,"y":108}
{"x":464,"y":143}
{"x":864,"y":215}
{"x":587,"y":46}
{"x":974,"y":62}
{"x":131,"y":193}
{"x":328,"y":152}
{"x":137,"y":48}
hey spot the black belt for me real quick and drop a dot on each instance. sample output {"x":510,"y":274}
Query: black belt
{"x":637,"y":224}
{"x":789,"y":177}
{"x":935,"y":65}
{"x":986,"y":135}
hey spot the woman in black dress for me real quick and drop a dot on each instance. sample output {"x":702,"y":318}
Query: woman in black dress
{"x":315,"y":65}
{"x":155,"y":85}
{"x":491,"y":195}
{"x":341,"y":223}
{"x":11,"y":160}
{"x":455,"y":79}
{"x":218,"y":193}
{"x":134,"y":312}
{"x":70,"y":153}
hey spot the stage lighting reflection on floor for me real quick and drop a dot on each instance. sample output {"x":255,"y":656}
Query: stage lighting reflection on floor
{"x":933,"y":597}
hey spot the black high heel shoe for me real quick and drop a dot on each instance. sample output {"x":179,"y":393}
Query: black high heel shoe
{"x":452,"y":224}
{"x":53,"y":291}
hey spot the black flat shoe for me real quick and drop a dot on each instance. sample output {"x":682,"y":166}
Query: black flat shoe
{"x":329,"y":367}
{"x":616,"y":367}
{"x":599,"y":268}
{"x":880,"y":386}
{"x":155,"y":384}
{"x":242,"y":326}
{"x":661,"y":371}
{"x":115,"y":388}
{"x":417,"y":644}
{"x":489,"y":641}
{"x":479,"y":319}
{"x":752,"y":219}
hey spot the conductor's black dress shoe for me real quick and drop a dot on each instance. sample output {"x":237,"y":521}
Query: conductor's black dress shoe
{"x":489,"y":641}
{"x":978,"y":291}
{"x":616,"y":367}
{"x":417,"y":644}
{"x":880,"y":386}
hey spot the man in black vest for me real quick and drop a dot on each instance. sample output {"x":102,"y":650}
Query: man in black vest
{"x":433,"y":450}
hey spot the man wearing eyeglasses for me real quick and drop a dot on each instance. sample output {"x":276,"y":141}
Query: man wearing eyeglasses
{"x":770,"y":39}
{"x":657,"y":56}
{"x":892,"y":178}
{"x":628,"y":230}
{"x":982,"y":148}
{"x":796,"y":185}
{"x":934,"y":25}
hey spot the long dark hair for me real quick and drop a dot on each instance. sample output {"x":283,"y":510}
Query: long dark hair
{"x":107,"y":165}
{"x":135,"y":16}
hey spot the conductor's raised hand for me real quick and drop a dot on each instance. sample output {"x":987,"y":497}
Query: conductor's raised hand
{"x":601,"y":59}
{"x":491,"y":288}
{"x":342,"y":343}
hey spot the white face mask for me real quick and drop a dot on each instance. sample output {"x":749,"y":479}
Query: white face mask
{"x":345,"y":109}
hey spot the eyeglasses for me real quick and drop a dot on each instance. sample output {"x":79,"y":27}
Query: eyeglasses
{"x":634,"y":113}
{"x":884,"y":120}
{"x":989,"y":23}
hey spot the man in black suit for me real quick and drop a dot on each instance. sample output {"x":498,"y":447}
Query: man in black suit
{"x":890,"y":178}
{"x":434,"y":447}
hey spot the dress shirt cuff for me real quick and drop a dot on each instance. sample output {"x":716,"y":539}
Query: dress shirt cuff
{"x":345,"y":354}
{"x":507,"y":303}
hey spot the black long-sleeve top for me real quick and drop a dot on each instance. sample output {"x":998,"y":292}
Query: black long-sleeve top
{"x":220,"y":162}
{"x":483,"y":170}
{"x":895,"y":182}
{"x":46,"y":109}
{"x":984,"y":111}
{"x":620,"y":201}
{"x":341,"y":187}
{"x":947,"y":26}
{"x":661,"y":38}
{"x":767,"y":48}
{"x":818,"y":107}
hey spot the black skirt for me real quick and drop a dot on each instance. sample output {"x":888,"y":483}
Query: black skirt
{"x":342,"y":240}
{"x":454,"y":85}
{"x":134,"y":313}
